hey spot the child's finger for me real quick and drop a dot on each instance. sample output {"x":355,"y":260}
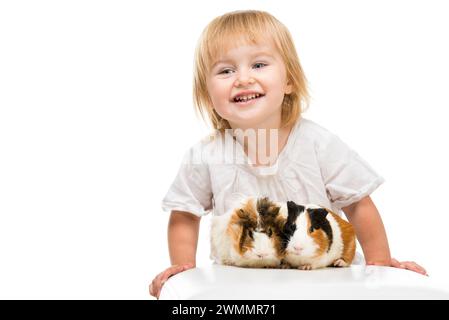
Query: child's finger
{"x":155,"y":288}
{"x":173,"y":270}
{"x":151,"y":289}
{"x":413,"y":266}
{"x":396,"y":264}
{"x":170,"y":272}
{"x":420,"y":268}
{"x":167,"y":274}
{"x":161,"y":278}
{"x":158,"y":287}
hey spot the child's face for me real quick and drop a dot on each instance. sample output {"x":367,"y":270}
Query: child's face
{"x":249,"y":70}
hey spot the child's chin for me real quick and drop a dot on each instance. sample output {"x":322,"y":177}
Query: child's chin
{"x":248,"y":118}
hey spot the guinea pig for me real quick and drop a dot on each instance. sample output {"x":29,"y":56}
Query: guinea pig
{"x":244,"y":238}
{"x":317,"y":238}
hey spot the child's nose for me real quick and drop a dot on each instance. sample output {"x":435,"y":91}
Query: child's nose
{"x":244,"y":81}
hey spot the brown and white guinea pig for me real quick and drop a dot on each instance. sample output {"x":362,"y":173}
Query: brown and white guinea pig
{"x":244,"y":238}
{"x":317,"y":238}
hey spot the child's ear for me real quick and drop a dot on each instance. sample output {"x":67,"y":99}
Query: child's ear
{"x":288,"y":88}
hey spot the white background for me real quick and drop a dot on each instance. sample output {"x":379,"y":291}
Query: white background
{"x":96,"y":112}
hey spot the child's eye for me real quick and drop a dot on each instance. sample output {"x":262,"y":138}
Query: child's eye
{"x":225,"y":71}
{"x":259,"y":65}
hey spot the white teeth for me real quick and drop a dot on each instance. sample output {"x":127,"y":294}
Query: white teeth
{"x":246,"y":98}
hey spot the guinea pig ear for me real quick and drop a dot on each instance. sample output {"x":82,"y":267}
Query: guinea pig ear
{"x":266,"y":207}
{"x":317,"y":218}
{"x":291,"y":206}
{"x":294,"y":211}
{"x":242,"y":214}
{"x":262,"y":205}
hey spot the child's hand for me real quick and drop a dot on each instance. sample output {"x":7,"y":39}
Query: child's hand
{"x":161,"y":278}
{"x":408,"y":265}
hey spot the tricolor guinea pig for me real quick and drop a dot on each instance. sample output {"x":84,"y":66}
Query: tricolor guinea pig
{"x":317,"y":238}
{"x":244,"y":238}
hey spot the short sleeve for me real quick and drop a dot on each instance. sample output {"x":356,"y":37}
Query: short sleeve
{"x":347,"y":177}
{"x":191,"y":189}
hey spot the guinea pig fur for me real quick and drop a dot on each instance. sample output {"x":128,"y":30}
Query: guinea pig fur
{"x":317,"y":238}
{"x":244,"y":238}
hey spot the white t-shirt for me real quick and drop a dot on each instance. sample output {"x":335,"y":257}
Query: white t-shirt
{"x":314,"y":167}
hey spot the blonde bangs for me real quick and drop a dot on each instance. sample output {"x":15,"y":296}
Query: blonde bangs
{"x":230,"y":31}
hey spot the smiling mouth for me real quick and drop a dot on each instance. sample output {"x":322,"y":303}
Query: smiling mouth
{"x":244,"y":99}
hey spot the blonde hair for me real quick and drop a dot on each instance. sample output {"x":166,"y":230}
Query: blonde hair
{"x":242,"y":27}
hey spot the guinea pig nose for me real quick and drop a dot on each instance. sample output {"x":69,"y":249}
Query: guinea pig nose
{"x":261,"y":255}
{"x":297,"y":248}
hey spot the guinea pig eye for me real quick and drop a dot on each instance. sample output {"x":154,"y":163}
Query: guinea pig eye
{"x":269,"y":232}
{"x":250,"y":233}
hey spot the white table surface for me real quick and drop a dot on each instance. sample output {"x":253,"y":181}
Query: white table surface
{"x":355,"y":282}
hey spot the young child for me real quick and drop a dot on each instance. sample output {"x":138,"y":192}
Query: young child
{"x":248,"y":79}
